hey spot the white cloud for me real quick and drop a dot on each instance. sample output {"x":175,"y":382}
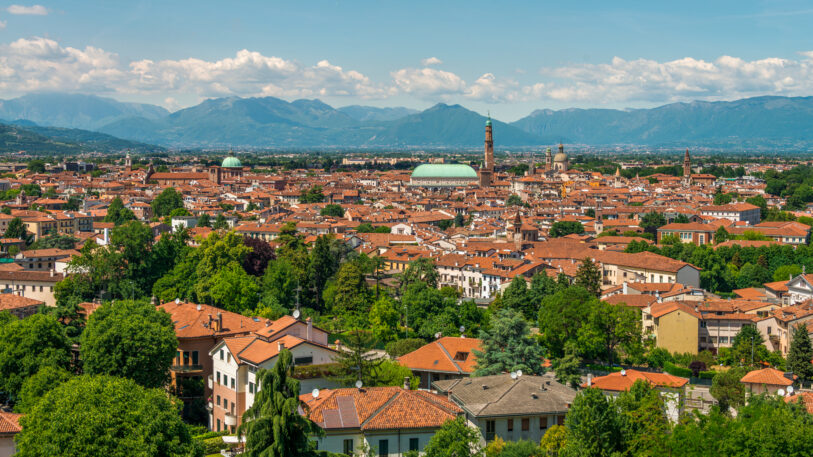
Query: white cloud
{"x":431,"y":61}
{"x":2,"y":25}
{"x":35,"y":10}
{"x":429,"y":82}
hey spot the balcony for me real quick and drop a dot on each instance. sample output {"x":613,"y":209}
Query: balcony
{"x":187,"y":368}
{"x":209,"y":405}
{"x":230,"y":420}
{"x":209,"y":381}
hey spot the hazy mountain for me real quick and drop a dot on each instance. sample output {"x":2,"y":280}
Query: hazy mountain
{"x":372,"y":113}
{"x":752,"y":121}
{"x":57,"y":140}
{"x":74,"y":110}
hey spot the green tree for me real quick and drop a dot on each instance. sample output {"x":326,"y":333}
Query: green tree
{"x":312,"y":195}
{"x":517,"y":296}
{"x":273,"y":426}
{"x":454,"y":439}
{"x":727,"y":389}
{"x":588,"y":276}
{"x":651,"y":222}
{"x":131,"y":340}
{"x":681,"y":219}
{"x":233,"y":289}
{"x":36,"y":386}
{"x":323,"y":265}
{"x":16,"y":229}
{"x":561,"y":316}
{"x":513,"y":200}
{"x":785,"y":272}
{"x":403,"y":346}
{"x":567,"y":367}
{"x":220,"y":222}
{"x":332,"y":210}
{"x":554,"y":441}
{"x":422,"y":269}
{"x":117,"y":213}
{"x":28,"y":345}
{"x":356,"y":362}
{"x":36,"y":166}
{"x":747,"y":348}
{"x":800,"y":353}
{"x":204,"y":220}
{"x":384,"y":319}
{"x":351,"y":295}
{"x":759,"y":200}
{"x":643,"y":421}
{"x":594,"y":426}
{"x":609,"y":327}
{"x":179,"y":212}
{"x":279,"y":284}
{"x":508,"y":346}
{"x":721,"y":235}
{"x":105,"y":415}
{"x":166,"y":201}
{"x":562,"y":228}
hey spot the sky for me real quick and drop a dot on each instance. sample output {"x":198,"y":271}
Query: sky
{"x":506,"y":57}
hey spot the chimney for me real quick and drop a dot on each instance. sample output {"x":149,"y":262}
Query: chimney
{"x":106,"y":234}
{"x":658,"y":296}
{"x":280,"y":346}
{"x":624,"y":288}
{"x":52,"y":272}
{"x":406,"y":383}
{"x":309,"y":335}
{"x":589,"y":379}
{"x":153,"y":300}
{"x":219,"y":321}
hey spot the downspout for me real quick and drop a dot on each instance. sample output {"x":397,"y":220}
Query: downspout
{"x":399,"y":443}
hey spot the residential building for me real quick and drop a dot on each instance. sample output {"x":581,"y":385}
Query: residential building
{"x":735,"y":212}
{"x":800,"y":288}
{"x":21,"y":307}
{"x":37,"y":285}
{"x":767,"y":380}
{"x":691,"y":232}
{"x":674,"y":326}
{"x":518,"y":407}
{"x":620,"y":267}
{"x":448,"y":357}
{"x":9,"y":427}
{"x":671,"y":388}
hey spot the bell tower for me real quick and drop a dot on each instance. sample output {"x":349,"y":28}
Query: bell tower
{"x":687,"y":165}
{"x":487,"y":172}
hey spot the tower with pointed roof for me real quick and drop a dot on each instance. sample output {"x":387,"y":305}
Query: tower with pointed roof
{"x":487,"y":172}
{"x":548,"y":160}
{"x":687,"y":165}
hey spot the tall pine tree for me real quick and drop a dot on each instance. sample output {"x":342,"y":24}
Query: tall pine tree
{"x":801,"y":353}
{"x":589,"y":277}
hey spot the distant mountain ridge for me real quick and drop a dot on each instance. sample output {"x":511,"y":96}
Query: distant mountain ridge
{"x":268,"y":122}
{"x":21,"y":136}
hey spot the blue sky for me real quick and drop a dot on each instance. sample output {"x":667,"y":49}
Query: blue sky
{"x":509,"y":57}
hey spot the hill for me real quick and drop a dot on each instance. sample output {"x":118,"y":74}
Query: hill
{"x":59,"y":141}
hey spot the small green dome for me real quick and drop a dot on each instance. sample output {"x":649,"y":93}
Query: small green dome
{"x":231,"y":162}
{"x":444,"y":170}
{"x":488,"y":122}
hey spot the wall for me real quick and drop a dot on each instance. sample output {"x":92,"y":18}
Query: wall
{"x":677,"y":332}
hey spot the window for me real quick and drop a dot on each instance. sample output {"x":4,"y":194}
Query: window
{"x":543,"y":422}
{"x":218,"y":376}
{"x":348,"y":447}
{"x":186,"y":357}
{"x":221,"y":354}
{"x":491,"y":428}
{"x":194,"y":357}
{"x":251,"y":389}
{"x":383,"y":448}
{"x":232,"y":383}
{"x":413,"y":444}
{"x":218,"y":425}
{"x":228,"y":357}
{"x":702,"y":324}
{"x":723,"y":340}
{"x":769,"y":330}
{"x":526,"y":424}
{"x":560,"y":420}
{"x":303,"y":360}
{"x":218,"y":400}
{"x":510,"y":425}
{"x":461,"y":356}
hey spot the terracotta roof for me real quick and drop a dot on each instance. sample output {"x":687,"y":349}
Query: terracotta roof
{"x":768,"y":376}
{"x":617,"y":382}
{"x":633,"y":300}
{"x":805,"y":398}
{"x":9,"y":423}
{"x":192,"y":320}
{"x":448,"y":354}
{"x":643,"y":260}
{"x":379,"y":408}
{"x":11,"y":301}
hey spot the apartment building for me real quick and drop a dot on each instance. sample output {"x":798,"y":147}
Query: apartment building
{"x":619,"y":267}
{"x":735,"y":212}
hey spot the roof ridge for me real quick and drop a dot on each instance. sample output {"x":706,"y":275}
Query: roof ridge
{"x":379,"y":409}
{"x":442,"y":348}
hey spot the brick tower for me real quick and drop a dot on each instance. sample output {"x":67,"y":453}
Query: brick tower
{"x":487,"y":172}
{"x":687,"y":165}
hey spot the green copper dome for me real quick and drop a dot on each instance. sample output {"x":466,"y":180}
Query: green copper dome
{"x":231,"y":162}
{"x":488,"y":122}
{"x":444,"y":170}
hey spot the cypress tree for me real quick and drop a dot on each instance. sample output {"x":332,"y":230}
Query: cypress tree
{"x":801,"y":353}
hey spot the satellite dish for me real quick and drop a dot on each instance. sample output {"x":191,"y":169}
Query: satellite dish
{"x":437,"y":335}
{"x":462,"y":328}
{"x":359,"y":384}
{"x":781,"y":392}
{"x":513,"y":375}
{"x":315,"y":393}
{"x":519,"y":373}
{"x":623,"y":372}
{"x":790,"y":390}
{"x":296,"y":314}
{"x":177,"y":301}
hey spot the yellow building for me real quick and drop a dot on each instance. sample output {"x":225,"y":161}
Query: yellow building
{"x":674,"y":325}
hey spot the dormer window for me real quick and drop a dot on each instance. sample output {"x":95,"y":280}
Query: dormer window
{"x":461,"y":356}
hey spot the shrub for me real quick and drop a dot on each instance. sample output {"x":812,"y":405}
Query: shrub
{"x":675,"y":370}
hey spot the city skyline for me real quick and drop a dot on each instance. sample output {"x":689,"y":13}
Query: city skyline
{"x":511,"y":59}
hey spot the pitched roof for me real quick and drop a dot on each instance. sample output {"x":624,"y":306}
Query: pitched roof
{"x":768,"y":376}
{"x":379,"y":408}
{"x":9,"y":423}
{"x":499,"y":395}
{"x":191,"y":320}
{"x":805,"y":398}
{"x":618,"y":382}
{"x":448,"y":354}
{"x":11,"y":301}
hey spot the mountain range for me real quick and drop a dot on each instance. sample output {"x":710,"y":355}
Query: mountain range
{"x":268,"y":122}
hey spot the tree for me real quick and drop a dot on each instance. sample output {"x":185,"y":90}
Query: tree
{"x":518,"y":297}
{"x":681,"y":219}
{"x":759,"y":200}
{"x":36,"y":166}
{"x":312,"y":195}
{"x":17,"y":229}
{"x":588,"y":276}
{"x":28,"y":345}
{"x":323,"y":263}
{"x":747,"y":348}
{"x":454,"y":439}
{"x":643,"y":422}
{"x":721,"y":235}
{"x":562,"y":228}
{"x":422,"y":269}
{"x":130,"y":340}
{"x":727,"y":389}
{"x":594,"y":427}
{"x":204,"y":220}
{"x":168,"y":200}
{"x":35,"y":387}
{"x":566,"y":368}
{"x":785,"y":272}
{"x":105,"y":415}
{"x":351,"y":295}
{"x":561,"y":316}
{"x":384,"y":319}
{"x":651,"y":222}
{"x":233,"y":289}
{"x":356,"y":362}
{"x":332,"y":210}
{"x":272,"y":426}
{"x":257,"y":259}
{"x":513,"y":200}
{"x":800,"y":353}
{"x":553,"y":441}
{"x":609,"y":327}
{"x":508,"y":346}
{"x":403,"y":346}
{"x":220,"y":222}
{"x":117,"y":213}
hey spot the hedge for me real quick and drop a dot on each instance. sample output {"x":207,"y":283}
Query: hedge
{"x":675,"y":370}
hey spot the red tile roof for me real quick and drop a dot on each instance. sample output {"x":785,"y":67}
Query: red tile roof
{"x":768,"y":376}
{"x":448,"y":354}
{"x":192,"y":320}
{"x":617,"y":382}
{"x":9,"y":423}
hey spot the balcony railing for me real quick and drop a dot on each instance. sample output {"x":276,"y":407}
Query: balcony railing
{"x":187,"y":368}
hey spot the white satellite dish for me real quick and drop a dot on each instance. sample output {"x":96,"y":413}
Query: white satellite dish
{"x":781,"y":392}
{"x":437,"y":335}
{"x":790,"y":390}
{"x":315,"y":393}
{"x":513,"y":375}
{"x":623,"y":372}
{"x":177,"y":301}
{"x":462,"y":328}
{"x":519,"y":373}
{"x":359,"y":384}
{"x":296,"y":314}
